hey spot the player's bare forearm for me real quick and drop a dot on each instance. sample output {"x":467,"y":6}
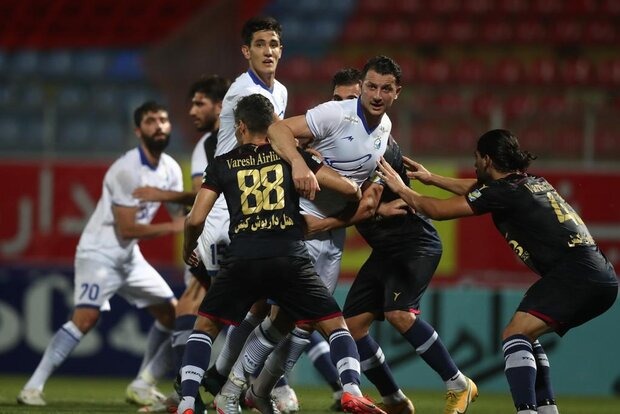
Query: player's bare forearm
{"x":417,"y":171}
{"x":459,"y":186}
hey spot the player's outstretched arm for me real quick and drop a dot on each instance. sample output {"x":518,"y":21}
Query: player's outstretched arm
{"x":194,"y":223}
{"x":434,"y":208}
{"x":156,"y":194}
{"x":282,"y":135}
{"x":417,"y":171}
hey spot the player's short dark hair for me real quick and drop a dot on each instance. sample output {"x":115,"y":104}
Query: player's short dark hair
{"x":346,"y":76}
{"x":502,"y":146}
{"x":257,"y":24}
{"x":256,"y":112}
{"x":383,"y":65}
{"x":213,"y":87}
{"x":146,"y":107}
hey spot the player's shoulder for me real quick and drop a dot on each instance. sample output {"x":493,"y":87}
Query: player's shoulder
{"x":129,"y":159}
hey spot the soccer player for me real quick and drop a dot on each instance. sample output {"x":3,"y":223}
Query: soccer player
{"x":266,"y":256}
{"x":206,"y":96}
{"x":577,"y":282}
{"x":406,"y":250}
{"x":262,"y":48}
{"x":350,"y":135}
{"x":346,"y":84}
{"x":108,"y":260}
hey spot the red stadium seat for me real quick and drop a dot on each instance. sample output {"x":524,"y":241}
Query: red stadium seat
{"x":372,"y":7}
{"x":298,"y":68}
{"x":610,"y":7}
{"x":566,"y":31}
{"x":608,"y":72}
{"x":409,"y":68}
{"x":519,"y":106}
{"x":484,"y":105}
{"x":535,"y":139}
{"x":567,"y":141}
{"x":542,"y":71}
{"x":359,"y":30}
{"x":581,"y":7}
{"x":406,"y":7}
{"x":496,"y":31}
{"x":426,"y":31}
{"x":434,"y":71}
{"x":461,"y":30}
{"x":324,"y":69}
{"x":508,"y":71}
{"x":393,"y":31}
{"x":577,"y":72}
{"x":553,"y":104}
{"x":478,"y":7}
{"x":470,"y":71}
{"x":600,"y":32}
{"x":445,"y":6}
{"x":530,"y":31}
{"x":547,"y":7}
{"x":607,"y":144}
{"x":512,"y":6}
{"x":449,"y":103}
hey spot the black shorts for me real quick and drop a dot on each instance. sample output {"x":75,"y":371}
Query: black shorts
{"x":291,"y":282}
{"x":390,"y":282}
{"x":567,"y":300}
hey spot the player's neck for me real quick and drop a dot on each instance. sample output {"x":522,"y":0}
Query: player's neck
{"x":255,"y":139}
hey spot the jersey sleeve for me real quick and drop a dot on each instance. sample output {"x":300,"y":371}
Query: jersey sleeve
{"x":121,"y":182}
{"x":211,"y":179}
{"x":324,"y":119}
{"x":199,"y":159}
{"x":489,"y":198}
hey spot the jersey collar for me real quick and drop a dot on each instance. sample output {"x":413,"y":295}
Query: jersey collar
{"x":360,"y":114}
{"x":258,"y":81}
{"x":144,"y":160}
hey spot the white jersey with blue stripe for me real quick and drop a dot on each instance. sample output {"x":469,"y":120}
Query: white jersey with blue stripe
{"x":132,"y":170}
{"x":347,"y":144}
{"x":246,"y":84}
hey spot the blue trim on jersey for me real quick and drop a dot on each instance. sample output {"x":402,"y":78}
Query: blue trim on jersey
{"x":360,"y":113}
{"x":258,"y":81}
{"x":197,"y":175}
{"x":144,"y":160}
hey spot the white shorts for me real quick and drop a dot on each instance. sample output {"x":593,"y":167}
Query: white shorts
{"x":214,"y":239}
{"x":326,"y":252}
{"x":97,"y":280}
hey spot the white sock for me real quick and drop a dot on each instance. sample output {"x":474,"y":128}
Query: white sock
{"x":548,"y":409}
{"x":281,"y":360}
{"x":159,"y":365}
{"x":235,"y":339}
{"x":62,"y":344}
{"x":257,"y":348}
{"x":457,"y":382}
{"x":157,"y":335}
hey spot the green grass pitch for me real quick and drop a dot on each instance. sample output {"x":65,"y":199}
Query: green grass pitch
{"x":106,"y":395}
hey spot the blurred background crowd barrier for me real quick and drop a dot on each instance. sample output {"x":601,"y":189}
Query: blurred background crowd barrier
{"x":71,"y":73}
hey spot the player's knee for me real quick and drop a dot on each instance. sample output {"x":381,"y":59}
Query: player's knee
{"x":401,"y":320}
{"x":85,"y":321}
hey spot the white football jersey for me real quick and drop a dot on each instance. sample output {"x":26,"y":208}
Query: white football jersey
{"x":246,"y":84}
{"x":347,"y":145}
{"x":199,"y":157}
{"x":132,"y":170}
